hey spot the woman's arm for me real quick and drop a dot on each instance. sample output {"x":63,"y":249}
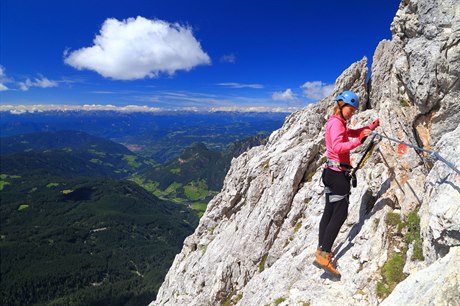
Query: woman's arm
{"x":355,"y":132}
{"x":337,"y":134}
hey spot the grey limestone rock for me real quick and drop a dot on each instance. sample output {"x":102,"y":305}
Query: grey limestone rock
{"x":256,"y":241}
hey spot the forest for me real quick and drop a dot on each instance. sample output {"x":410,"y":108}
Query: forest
{"x":86,"y":221}
{"x":81,"y":241}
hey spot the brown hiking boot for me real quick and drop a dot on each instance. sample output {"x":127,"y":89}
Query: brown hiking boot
{"x":323,"y":261}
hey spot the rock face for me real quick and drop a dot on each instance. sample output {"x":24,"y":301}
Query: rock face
{"x":256,"y":241}
{"x":439,"y":284}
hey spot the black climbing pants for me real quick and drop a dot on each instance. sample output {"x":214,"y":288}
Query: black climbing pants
{"x":335,"y":213}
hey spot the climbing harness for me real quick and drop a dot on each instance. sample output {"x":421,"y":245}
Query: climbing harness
{"x":336,"y":164}
{"x":332,"y":198}
{"x":335,"y":197}
{"x":350,"y":172}
{"x":433,"y":155}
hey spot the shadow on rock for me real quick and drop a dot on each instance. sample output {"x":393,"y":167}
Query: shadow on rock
{"x":367,"y":209}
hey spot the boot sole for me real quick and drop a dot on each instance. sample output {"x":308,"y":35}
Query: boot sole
{"x":316,"y":264}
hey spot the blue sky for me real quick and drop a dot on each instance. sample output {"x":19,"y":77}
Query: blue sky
{"x":183,"y":53}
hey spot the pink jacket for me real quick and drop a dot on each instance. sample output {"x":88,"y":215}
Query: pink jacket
{"x":338,"y":145}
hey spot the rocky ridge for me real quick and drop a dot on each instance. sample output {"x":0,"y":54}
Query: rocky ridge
{"x":256,"y":241}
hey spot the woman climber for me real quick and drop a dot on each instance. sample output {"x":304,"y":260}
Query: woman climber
{"x":336,"y":175}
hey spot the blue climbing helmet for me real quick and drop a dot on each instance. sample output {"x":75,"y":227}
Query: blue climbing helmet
{"x":348,"y":97}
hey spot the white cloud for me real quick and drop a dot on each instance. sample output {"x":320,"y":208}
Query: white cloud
{"x":3,"y":79}
{"x":286,"y":95}
{"x":229,"y":58}
{"x":103,"y":92}
{"x":317,"y":90}
{"x":239,"y":85}
{"x":41,"y":82}
{"x":136,"y":48}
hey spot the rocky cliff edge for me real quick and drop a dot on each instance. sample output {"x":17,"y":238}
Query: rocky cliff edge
{"x":401,"y":241}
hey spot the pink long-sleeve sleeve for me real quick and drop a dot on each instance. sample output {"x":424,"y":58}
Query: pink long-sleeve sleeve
{"x":338,"y":144}
{"x":339,"y":139}
{"x":354,"y":133}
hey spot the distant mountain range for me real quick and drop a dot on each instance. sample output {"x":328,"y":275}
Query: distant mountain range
{"x":69,"y":154}
{"x":159,"y":136}
{"x":39,"y":108}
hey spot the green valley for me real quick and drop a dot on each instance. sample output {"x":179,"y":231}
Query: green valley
{"x":84,"y":241}
{"x":85,"y":221}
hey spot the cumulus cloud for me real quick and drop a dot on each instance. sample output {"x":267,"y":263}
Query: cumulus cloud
{"x":239,"y":85}
{"x":286,"y":95}
{"x":317,"y":90}
{"x":229,"y":58}
{"x":41,"y":82}
{"x":136,"y":48}
{"x":3,"y":79}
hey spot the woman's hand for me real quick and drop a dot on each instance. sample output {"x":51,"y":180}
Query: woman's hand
{"x":363,"y":135}
{"x":374,"y":124}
